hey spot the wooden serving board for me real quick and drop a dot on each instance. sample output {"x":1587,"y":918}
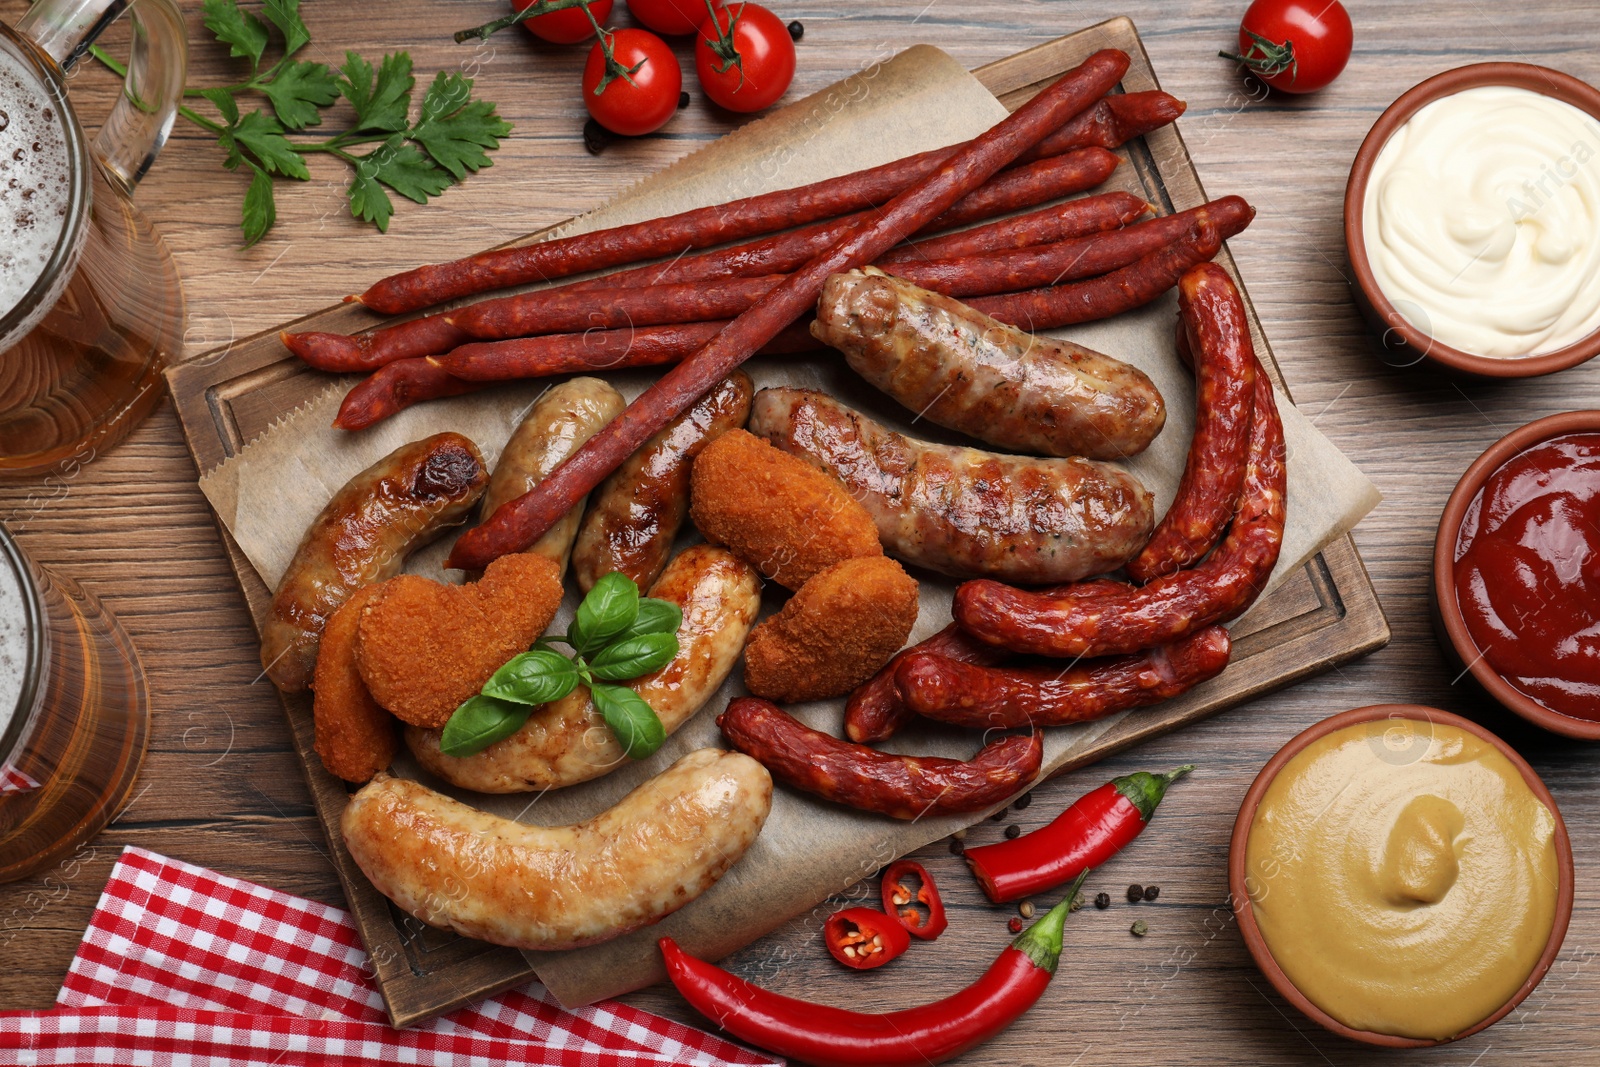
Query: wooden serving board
{"x":1323,"y":616}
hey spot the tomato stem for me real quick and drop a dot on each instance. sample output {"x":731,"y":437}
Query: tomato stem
{"x":723,"y":47}
{"x":532,"y":11}
{"x":614,"y":69}
{"x":1267,"y":57}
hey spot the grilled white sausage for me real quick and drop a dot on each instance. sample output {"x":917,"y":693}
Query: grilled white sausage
{"x":568,"y":741}
{"x":559,"y":887}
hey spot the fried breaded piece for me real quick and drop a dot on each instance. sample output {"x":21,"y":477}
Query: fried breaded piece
{"x":777,"y":512}
{"x":355,"y":737}
{"x":425,"y":646}
{"x":834,"y":633}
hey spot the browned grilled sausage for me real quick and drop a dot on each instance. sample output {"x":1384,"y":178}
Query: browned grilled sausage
{"x":960,"y":369}
{"x":960,"y":511}
{"x":638,"y":511}
{"x":904,"y":787}
{"x":362,"y":536}
{"x":1218,"y":333}
{"x":1220,"y":588}
{"x":875,"y":711}
{"x":983,"y":697}
{"x":563,"y":418}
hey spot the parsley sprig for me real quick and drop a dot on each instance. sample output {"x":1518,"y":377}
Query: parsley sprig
{"x":615,"y":636}
{"x":450,"y":137}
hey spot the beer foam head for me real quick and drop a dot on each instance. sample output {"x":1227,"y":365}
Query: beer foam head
{"x":13,"y":646}
{"x":35,"y":180}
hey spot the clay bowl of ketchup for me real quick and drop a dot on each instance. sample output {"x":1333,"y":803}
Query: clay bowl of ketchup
{"x":1403,"y":342}
{"x":1516,"y":572}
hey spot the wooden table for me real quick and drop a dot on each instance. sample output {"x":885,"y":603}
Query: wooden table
{"x":220,"y":787}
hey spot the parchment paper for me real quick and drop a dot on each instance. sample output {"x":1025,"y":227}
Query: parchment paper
{"x":808,"y":850}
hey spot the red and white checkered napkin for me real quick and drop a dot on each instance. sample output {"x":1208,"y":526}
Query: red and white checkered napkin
{"x":183,"y":966}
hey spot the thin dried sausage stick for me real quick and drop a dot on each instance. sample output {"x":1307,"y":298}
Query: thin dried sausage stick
{"x":1219,"y":589}
{"x":522,"y":521}
{"x":394,"y":387}
{"x":561,"y":310}
{"x":875,"y":711}
{"x":1111,"y":294}
{"x":1113,"y":122}
{"x":902,"y":787}
{"x":1073,"y":218}
{"x":1218,"y":333}
{"x":1046,"y":264}
{"x":698,"y":228}
{"x":440,"y":332}
{"x":984,"y":697}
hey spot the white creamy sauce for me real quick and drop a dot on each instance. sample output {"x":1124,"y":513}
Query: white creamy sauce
{"x":13,"y":646}
{"x":1482,"y":222}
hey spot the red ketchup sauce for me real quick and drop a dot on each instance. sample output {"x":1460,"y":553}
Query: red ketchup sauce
{"x":1528,"y":573}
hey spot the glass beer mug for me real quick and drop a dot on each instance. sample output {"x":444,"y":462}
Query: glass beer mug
{"x":90,"y":308}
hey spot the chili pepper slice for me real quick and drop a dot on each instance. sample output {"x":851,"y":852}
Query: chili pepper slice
{"x":898,"y":896}
{"x":1096,"y":827}
{"x":916,"y":1037}
{"x":863,"y":938}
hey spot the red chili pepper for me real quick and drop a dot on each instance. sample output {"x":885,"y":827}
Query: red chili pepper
{"x":916,"y":1037}
{"x":898,"y":895}
{"x":863,"y":938}
{"x":1096,"y":827}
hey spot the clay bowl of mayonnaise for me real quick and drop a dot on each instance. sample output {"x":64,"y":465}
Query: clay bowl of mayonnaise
{"x":1516,"y":573}
{"x":1472,"y":219}
{"x":1401,"y":875}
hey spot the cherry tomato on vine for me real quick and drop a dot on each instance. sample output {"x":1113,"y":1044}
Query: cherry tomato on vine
{"x":1297,"y":46}
{"x":744,"y":57}
{"x":636,"y":89}
{"x":674,"y":18}
{"x":567,"y":26}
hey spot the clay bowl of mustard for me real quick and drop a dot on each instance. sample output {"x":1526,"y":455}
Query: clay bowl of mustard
{"x":1401,"y":875}
{"x":1516,"y":573}
{"x":1472,"y":221}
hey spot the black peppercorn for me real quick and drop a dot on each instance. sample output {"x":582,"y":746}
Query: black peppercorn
{"x":997,"y":816}
{"x":1135,"y":893}
{"x":956,"y":847}
{"x":683,"y":100}
{"x":1151,"y":892}
{"x":1023,"y":801}
{"x":595,"y":137}
{"x":796,"y":30}
{"x":1102,"y":901}
{"x":1013,"y":831}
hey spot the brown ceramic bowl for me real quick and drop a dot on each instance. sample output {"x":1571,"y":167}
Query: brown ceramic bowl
{"x":1245,"y":915}
{"x":1452,"y":628}
{"x":1405,"y":342}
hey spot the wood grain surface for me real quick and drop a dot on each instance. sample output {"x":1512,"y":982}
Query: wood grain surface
{"x":221,"y":787}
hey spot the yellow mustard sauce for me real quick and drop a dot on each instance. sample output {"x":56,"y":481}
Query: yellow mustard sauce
{"x":1404,"y":876}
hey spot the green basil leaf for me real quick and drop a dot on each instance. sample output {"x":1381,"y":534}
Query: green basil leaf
{"x":634,"y":656}
{"x":610,"y":608}
{"x":536,"y":677}
{"x":632,"y":721}
{"x":655,"y":617}
{"x":479,"y":722}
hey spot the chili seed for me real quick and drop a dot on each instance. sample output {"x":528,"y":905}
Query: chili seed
{"x":595,"y":137}
{"x":1135,"y":893}
{"x":1025,"y":909}
{"x":1102,"y":901}
{"x":1015,"y":925}
{"x":1023,"y":801}
{"x":796,"y":30}
{"x":683,"y":100}
{"x":1139,"y":928}
{"x":956,"y":848}
{"x":1013,"y":831}
{"x":1151,"y":892}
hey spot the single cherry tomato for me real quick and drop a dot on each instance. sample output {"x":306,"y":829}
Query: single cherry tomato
{"x":567,"y":26}
{"x":744,"y":57}
{"x":674,"y":18}
{"x":1297,"y":46}
{"x":636,"y":89}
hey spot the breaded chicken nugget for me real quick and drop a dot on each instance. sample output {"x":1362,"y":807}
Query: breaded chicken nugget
{"x":834,"y":633}
{"x":355,"y":737}
{"x":777,"y":512}
{"x":425,"y":646}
